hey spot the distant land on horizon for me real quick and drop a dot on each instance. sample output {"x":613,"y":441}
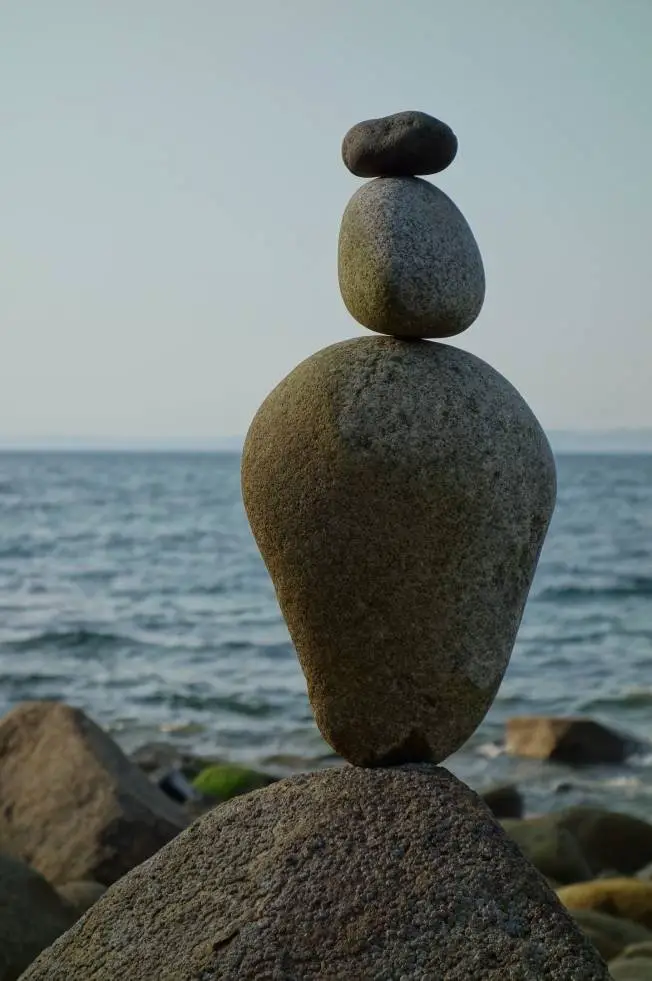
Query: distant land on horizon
{"x":562,"y":441}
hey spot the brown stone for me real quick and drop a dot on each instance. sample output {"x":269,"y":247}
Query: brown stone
{"x":399,"y":493}
{"x":73,"y":805}
{"x":566,"y":740}
{"x":630,"y":899}
{"x":344,"y":874}
{"x":32,"y":916}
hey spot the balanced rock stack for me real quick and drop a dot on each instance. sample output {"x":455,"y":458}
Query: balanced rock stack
{"x":399,"y":491}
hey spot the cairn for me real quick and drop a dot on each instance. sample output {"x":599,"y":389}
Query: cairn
{"x":400,"y":489}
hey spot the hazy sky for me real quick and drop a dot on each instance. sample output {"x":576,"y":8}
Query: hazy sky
{"x":171,"y":190}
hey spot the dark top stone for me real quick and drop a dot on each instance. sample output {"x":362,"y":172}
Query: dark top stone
{"x":403,"y":145}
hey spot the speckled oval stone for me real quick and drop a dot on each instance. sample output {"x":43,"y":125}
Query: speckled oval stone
{"x":408,"y":263}
{"x":399,"y":493}
{"x":401,"y":145}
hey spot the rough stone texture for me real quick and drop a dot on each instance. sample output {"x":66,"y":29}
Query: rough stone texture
{"x":408,"y":262}
{"x":32,"y":916}
{"x":80,"y":896}
{"x":73,"y":805}
{"x":399,"y":493}
{"x":346,"y":875}
{"x":565,"y":740}
{"x":629,"y":898}
{"x":552,"y":849}
{"x":611,"y":935}
{"x":401,"y":145}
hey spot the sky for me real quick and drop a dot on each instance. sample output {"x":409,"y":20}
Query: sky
{"x":171,"y":189}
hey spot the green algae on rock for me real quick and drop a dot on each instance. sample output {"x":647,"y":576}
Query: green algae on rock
{"x":225,"y":780}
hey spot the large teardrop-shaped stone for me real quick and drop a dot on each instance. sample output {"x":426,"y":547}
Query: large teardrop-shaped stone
{"x":400,"y":494}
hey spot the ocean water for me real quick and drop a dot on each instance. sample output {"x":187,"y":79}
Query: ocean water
{"x":130,"y":585}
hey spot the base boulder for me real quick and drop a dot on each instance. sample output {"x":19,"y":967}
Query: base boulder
{"x":398,"y":873}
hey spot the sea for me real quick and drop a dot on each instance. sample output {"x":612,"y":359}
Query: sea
{"x":131,"y":586}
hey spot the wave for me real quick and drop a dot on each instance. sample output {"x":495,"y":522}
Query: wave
{"x":630,"y":586}
{"x":206,"y":702}
{"x":63,"y":640}
{"x":634,"y":698}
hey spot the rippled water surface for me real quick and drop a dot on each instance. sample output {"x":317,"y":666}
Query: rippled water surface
{"x":131,"y":586}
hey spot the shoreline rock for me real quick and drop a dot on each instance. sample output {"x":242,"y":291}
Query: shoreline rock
{"x":345,"y":873}
{"x":566,"y":739}
{"x":74,"y":806}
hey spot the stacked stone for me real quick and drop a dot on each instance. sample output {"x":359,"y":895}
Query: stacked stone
{"x":408,"y":262}
{"x":399,"y":489}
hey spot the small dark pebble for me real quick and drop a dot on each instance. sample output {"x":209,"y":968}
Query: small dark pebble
{"x":406,"y":144}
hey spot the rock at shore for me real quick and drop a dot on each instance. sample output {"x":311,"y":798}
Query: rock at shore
{"x":342,"y":874}
{"x":399,"y":494}
{"x":608,"y":839}
{"x":504,"y":801}
{"x":401,"y":145}
{"x":565,"y":740}
{"x":628,"y":898}
{"x":81,"y":895}
{"x":408,"y":263}
{"x":635,"y":969}
{"x":223,"y":781}
{"x":552,"y":849}
{"x":611,"y":935}
{"x":32,"y":916}
{"x":73,"y":805}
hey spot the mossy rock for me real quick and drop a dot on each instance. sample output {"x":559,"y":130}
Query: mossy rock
{"x":630,"y":899}
{"x":611,"y":935}
{"x":225,"y":780}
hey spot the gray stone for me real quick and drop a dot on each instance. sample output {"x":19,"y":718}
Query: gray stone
{"x":504,"y":801}
{"x":552,"y":849}
{"x":402,"y":145}
{"x":610,"y":934}
{"x":408,"y":262}
{"x":608,"y":840}
{"x":636,"y":969}
{"x":399,"y":493}
{"x":342,"y":874}
{"x":32,"y":916}
{"x":73,"y":805}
